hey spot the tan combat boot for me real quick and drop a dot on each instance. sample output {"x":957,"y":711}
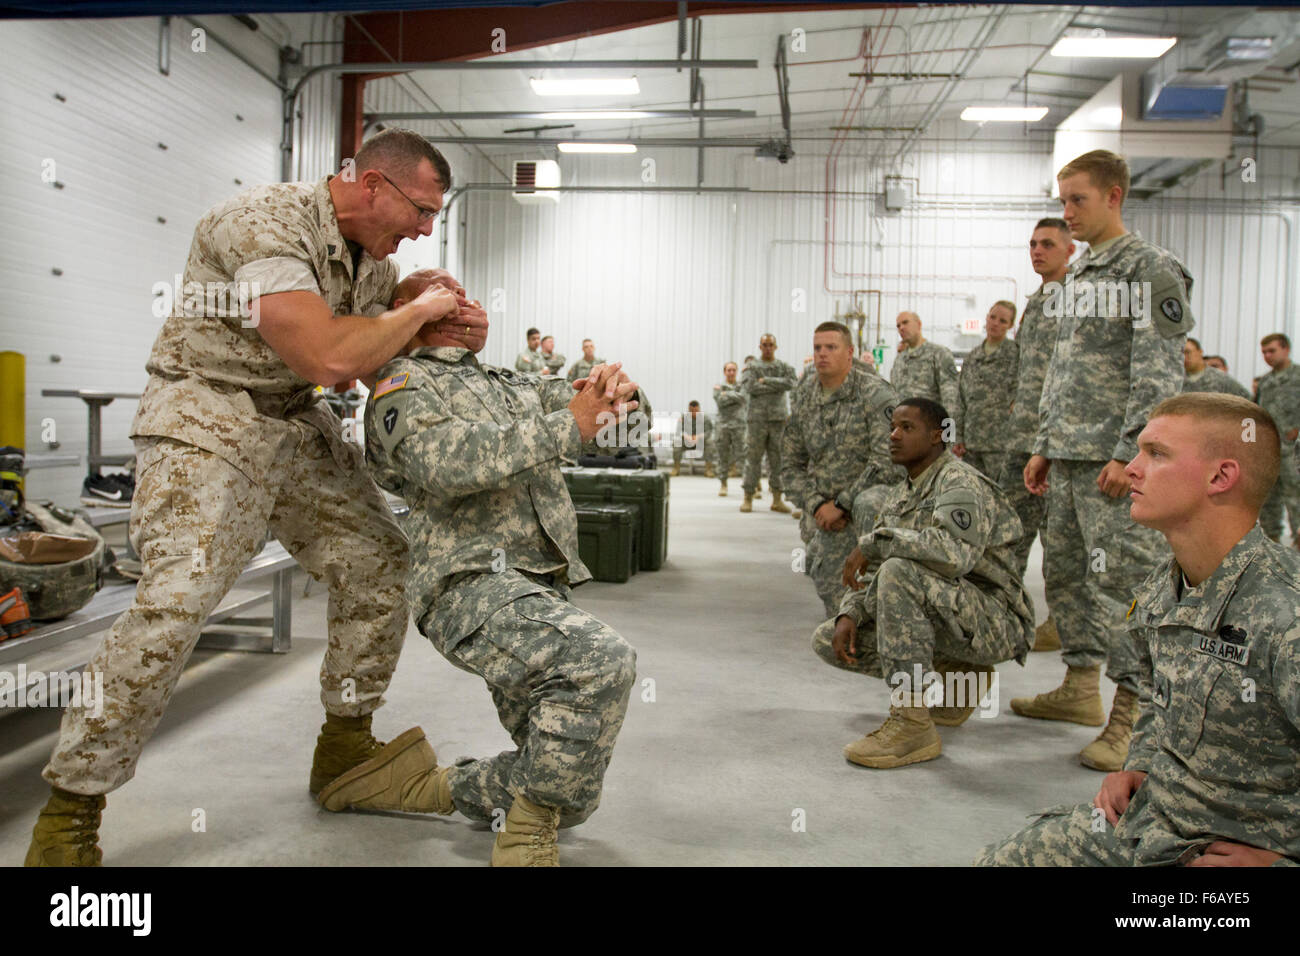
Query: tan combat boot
{"x":722,"y":492}
{"x":528,"y":837}
{"x":949,"y":714}
{"x":343,"y":743}
{"x":748,"y":504}
{"x":709,"y":472}
{"x":1045,"y":637}
{"x":734,"y":472}
{"x":778,"y":504}
{"x":403,"y":776}
{"x":796,"y":514}
{"x":67,"y":831}
{"x":907,"y":736}
{"x":1109,"y":751}
{"x":677,"y":470}
{"x":1077,"y":700}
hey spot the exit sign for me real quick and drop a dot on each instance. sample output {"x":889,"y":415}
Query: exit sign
{"x":972,"y":325}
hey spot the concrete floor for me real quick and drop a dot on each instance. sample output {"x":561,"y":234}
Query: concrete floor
{"x":744,"y":731}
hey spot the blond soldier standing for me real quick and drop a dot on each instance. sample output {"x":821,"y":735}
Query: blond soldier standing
{"x":1123,"y":318}
{"x":230,"y":439}
{"x":922,"y":368}
{"x":1210,"y":776}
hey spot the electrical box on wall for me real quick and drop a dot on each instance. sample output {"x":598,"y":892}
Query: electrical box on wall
{"x":897,"y":195}
{"x":534,"y":174}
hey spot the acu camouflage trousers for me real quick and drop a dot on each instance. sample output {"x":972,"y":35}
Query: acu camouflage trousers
{"x":763,"y":437}
{"x":1094,"y":558}
{"x":560,"y":680}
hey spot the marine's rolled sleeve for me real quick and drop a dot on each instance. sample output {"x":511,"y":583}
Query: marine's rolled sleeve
{"x":266,"y":252}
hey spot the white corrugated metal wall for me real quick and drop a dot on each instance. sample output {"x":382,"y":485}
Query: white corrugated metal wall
{"x":674,"y":284}
{"x":102,"y":229}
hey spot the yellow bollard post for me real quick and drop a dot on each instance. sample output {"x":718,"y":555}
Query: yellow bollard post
{"x":13,"y":404}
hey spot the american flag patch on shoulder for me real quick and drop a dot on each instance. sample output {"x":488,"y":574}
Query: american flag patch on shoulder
{"x":391,"y":384}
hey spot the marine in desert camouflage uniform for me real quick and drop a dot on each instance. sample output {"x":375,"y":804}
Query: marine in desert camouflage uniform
{"x":231,"y":439}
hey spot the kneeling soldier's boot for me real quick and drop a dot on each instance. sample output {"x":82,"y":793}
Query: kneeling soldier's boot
{"x":1045,"y":636}
{"x":403,"y":776}
{"x":1109,"y":751}
{"x":778,"y":504}
{"x":1078,"y":699}
{"x":949,"y":714}
{"x":907,"y":736}
{"x":67,"y":831}
{"x":722,"y":492}
{"x":528,"y":837}
{"x":343,"y":743}
{"x":748,"y":504}
{"x":709,"y":472}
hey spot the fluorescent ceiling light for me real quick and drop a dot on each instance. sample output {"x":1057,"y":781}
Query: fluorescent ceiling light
{"x":1135,"y":48}
{"x":595,"y":86}
{"x":596,"y":115}
{"x":596,"y":147}
{"x":1003,"y":114}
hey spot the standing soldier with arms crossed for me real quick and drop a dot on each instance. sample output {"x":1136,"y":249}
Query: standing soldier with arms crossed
{"x":1279,"y":394}
{"x":766,"y":382}
{"x":1050,"y":249}
{"x":730,"y":428}
{"x":1110,"y":367}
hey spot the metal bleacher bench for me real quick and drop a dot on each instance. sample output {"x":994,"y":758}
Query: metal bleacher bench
{"x":225,"y":628}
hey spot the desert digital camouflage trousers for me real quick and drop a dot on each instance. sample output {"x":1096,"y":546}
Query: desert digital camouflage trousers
{"x":1094,"y":558}
{"x":730,"y":447}
{"x":763,"y":436}
{"x":560,"y":680}
{"x":1007,"y":468}
{"x":1285,"y":495}
{"x":196,"y":520}
{"x":1067,"y":835}
{"x":919,"y":614}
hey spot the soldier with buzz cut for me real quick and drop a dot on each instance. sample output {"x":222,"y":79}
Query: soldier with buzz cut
{"x":730,"y":428}
{"x":941,"y":593}
{"x":1279,"y":394}
{"x":766,"y":381}
{"x":582,"y":368}
{"x":476,"y":451}
{"x":923,"y":368}
{"x":693,"y":433}
{"x":836,"y":459}
{"x":1210,"y":776}
{"x":554,"y":360}
{"x":1203,"y":377}
{"x":530,"y":359}
{"x":232,"y":439}
{"x":1050,"y":249}
{"x":1123,"y":317}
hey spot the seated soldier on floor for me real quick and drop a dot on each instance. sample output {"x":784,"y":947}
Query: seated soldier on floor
{"x":475,"y":451}
{"x":1213,"y":770}
{"x":942,"y":588}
